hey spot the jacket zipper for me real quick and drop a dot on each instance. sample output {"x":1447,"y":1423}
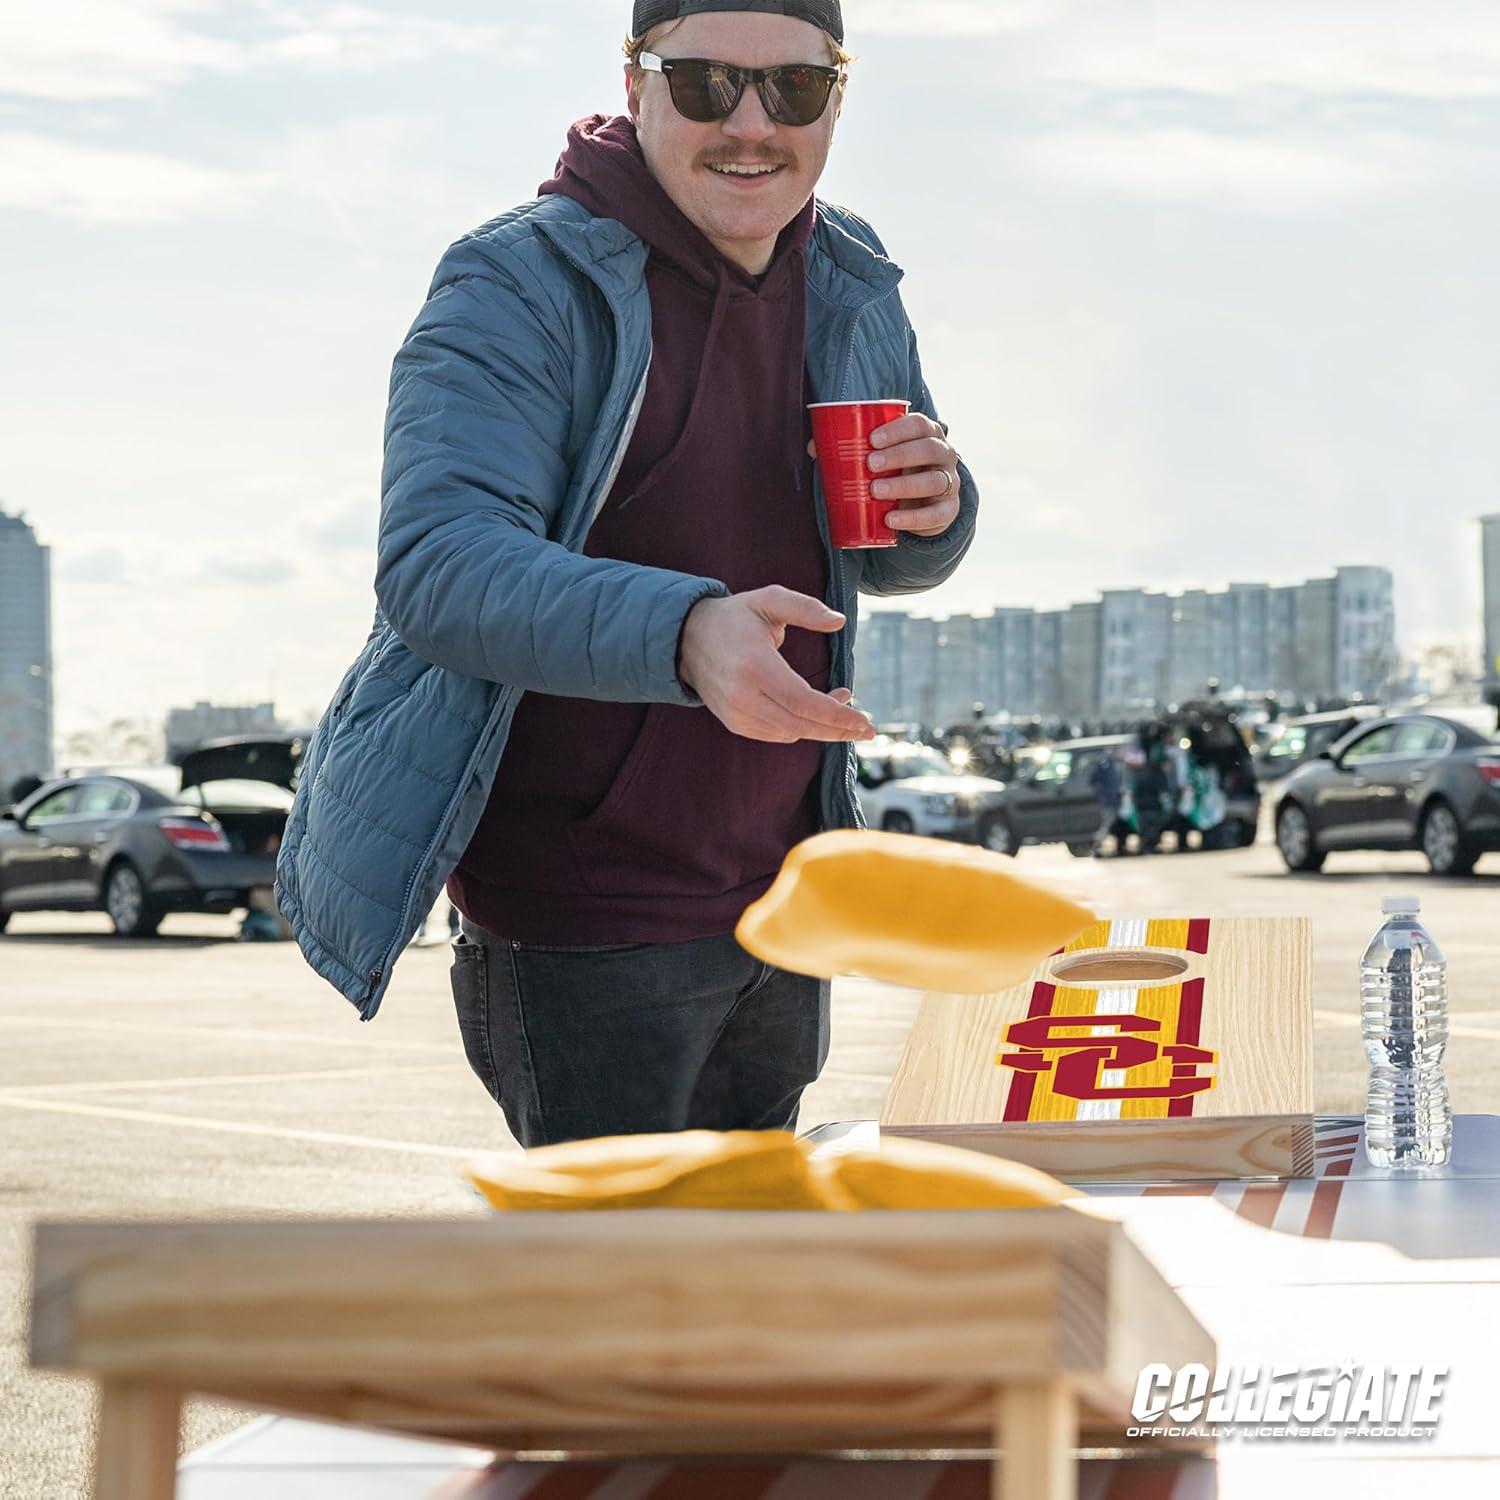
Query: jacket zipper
{"x":368,"y":1006}
{"x":846,"y":672}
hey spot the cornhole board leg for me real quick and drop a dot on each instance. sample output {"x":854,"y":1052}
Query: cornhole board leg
{"x":1038,"y":1428}
{"x":135,"y":1453}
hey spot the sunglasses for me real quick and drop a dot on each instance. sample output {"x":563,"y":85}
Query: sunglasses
{"x":705,"y":91}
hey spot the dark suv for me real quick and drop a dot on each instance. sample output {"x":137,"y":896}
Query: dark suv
{"x":1052,"y":801}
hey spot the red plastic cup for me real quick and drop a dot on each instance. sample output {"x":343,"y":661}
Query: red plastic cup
{"x":842,"y":429}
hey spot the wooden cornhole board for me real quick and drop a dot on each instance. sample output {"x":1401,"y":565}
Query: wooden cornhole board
{"x":1147,"y":1048}
{"x":622,"y":1333}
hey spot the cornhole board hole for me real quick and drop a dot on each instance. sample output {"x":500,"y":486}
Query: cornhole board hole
{"x":1147,"y":1048}
{"x":623,"y":1333}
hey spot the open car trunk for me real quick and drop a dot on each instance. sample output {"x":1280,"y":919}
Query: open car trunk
{"x":250,"y":832}
{"x":238,"y":780}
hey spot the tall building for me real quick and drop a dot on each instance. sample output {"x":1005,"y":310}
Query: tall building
{"x":919,"y":671}
{"x":1047,"y":663}
{"x":1188,"y":648}
{"x":1081,"y":656}
{"x":1251,"y":607}
{"x":1132,"y":652}
{"x":962,"y":657}
{"x":1490,"y":533}
{"x":25,"y":654}
{"x":1316,"y":652}
{"x":1135,"y":641}
{"x":1010,"y":686}
{"x":1366,"y":645}
{"x":877,"y":663}
{"x":1282,"y":643}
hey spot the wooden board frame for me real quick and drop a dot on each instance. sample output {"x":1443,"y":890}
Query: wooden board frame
{"x":622,"y":1332}
{"x":1212,"y":1150}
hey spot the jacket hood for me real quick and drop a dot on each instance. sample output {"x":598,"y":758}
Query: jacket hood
{"x":603,"y":169}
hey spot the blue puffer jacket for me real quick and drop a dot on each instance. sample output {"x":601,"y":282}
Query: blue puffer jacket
{"x":512,"y":402}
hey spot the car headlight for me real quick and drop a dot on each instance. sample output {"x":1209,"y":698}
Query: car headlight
{"x":939,"y":802}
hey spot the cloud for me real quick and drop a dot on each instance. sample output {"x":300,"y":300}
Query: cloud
{"x":98,"y":185}
{"x":343,"y":168}
{"x":355,"y":167}
{"x":946,"y":17}
{"x":257,"y":572}
{"x":1196,"y":167}
{"x":98,"y":565}
{"x":134,"y":49}
{"x":349,"y":527}
{"x":1446,"y":49}
{"x":105,"y":49}
{"x":356,"y":37}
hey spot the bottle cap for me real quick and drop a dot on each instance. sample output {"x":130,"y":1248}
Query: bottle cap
{"x":1398,"y":905}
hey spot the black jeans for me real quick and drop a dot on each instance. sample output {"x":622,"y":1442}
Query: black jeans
{"x":633,"y":1038}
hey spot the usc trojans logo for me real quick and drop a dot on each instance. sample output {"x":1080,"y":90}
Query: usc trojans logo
{"x":1077,"y":1062}
{"x":1089,"y":1048}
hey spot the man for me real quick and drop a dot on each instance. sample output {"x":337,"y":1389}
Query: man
{"x":609,"y":682}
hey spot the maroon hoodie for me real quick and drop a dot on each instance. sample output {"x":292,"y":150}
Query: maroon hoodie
{"x":630,"y":822}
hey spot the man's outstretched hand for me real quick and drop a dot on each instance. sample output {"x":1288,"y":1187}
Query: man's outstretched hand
{"x":730,"y":655}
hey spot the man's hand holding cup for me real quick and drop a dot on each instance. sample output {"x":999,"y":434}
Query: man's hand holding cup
{"x":885,"y":470}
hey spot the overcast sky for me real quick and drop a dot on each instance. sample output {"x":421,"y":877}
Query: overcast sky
{"x":1207,"y":290}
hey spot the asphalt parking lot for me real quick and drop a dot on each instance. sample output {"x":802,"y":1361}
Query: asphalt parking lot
{"x":195,"y":1076}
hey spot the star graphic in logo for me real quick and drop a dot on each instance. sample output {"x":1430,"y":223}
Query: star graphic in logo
{"x":1346,"y":1371}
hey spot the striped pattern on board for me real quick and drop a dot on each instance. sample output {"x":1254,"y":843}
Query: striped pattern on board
{"x":1173,"y":1478}
{"x":1293,"y":1205}
{"x":1178,"y":1008}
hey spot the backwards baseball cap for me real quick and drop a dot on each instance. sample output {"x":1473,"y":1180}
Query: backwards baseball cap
{"x":828,"y":15}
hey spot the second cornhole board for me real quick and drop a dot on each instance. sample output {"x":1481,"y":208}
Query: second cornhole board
{"x":1148,"y":1047}
{"x":627,"y":1333}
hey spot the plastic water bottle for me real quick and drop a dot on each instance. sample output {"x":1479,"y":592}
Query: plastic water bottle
{"x":1404,"y":1016}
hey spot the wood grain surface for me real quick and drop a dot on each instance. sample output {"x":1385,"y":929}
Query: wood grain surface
{"x":1212,"y":1150}
{"x":620,"y":1330}
{"x":1250,"y":989}
{"x":1212,"y":1022}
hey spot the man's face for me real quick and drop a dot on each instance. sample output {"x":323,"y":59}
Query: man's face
{"x":740,"y":216}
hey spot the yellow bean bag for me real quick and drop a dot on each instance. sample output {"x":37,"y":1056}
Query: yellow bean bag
{"x":912,"y":911}
{"x":693,"y":1169}
{"x":756,"y":1170}
{"x":922,"y":1174}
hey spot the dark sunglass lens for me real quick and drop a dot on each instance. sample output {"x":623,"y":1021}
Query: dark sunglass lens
{"x":703,"y":92}
{"x":797,"y":96}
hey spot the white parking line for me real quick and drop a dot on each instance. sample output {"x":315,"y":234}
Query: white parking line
{"x":207,"y":1080}
{"x":235,"y":1033}
{"x":235,"y":1127}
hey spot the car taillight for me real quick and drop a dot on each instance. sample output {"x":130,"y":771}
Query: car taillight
{"x":1490,"y":770}
{"x":189,"y":833}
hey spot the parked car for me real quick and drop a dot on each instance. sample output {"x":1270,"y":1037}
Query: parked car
{"x":138,"y":850}
{"x":1302,"y":739}
{"x":1417,"y":781}
{"x":1052,"y":800}
{"x":907,"y":788}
